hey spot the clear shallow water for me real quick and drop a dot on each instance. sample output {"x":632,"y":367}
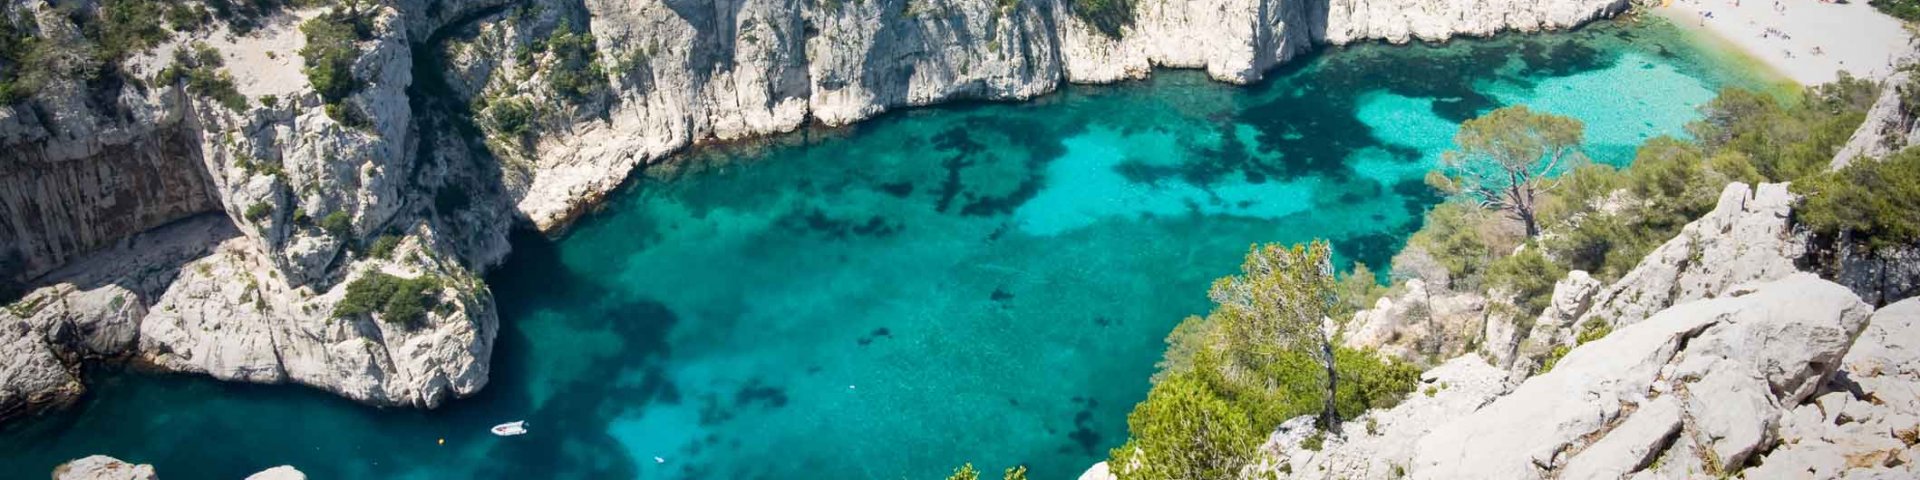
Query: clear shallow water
{"x":983,"y":282}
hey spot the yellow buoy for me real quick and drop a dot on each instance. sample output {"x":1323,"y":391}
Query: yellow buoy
{"x":443,"y":441}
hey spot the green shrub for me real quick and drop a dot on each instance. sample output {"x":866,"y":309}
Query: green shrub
{"x":402,"y":301}
{"x":1875,"y":203}
{"x":1186,"y":430}
{"x":512,"y":117}
{"x":576,"y":72}
{"x":1553,"y":358}
{"x":1463,"y":238}
{"x":1670,"y":183}
{"x":186,"y":18}
{"x":1594,"y":329}
{"x":258,"y":211}
{"x":965,"y":472}
{"x":383,"y":247}
{"x":21,"y":69}
{"x":1529,"y":276}
{"x":1359,"y":289}
{"x":338,"y":224}
{"x":1109,"y":17}
{"x":332,"y":47}
{"x":1908,"y":10}
{"x":125,"y":27}
{"x":200,"y":70}
{"x":1788,"y":139}
{"x":1244,"y":389}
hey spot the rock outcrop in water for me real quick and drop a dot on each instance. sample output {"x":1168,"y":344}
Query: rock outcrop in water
{"x":102,"y":467}
{"x":149,"y":222}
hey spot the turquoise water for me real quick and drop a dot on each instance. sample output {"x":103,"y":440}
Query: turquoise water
{"x":981,"y":282}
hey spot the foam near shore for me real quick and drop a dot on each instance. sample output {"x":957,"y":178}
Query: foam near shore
{"x":1807,"y":41}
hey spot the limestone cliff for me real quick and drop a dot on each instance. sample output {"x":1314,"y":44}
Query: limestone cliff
{"x":686,"y":73}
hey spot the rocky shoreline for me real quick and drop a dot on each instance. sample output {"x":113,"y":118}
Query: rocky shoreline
{"x":270,"y":209}
{"x":1720,"y":353}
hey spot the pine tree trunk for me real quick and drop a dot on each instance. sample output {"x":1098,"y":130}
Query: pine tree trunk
{"x":1328,"y":415}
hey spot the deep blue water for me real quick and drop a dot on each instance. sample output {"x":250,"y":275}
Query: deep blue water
{"x":982,"y":282}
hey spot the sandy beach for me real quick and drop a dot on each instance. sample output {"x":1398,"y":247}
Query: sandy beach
{"x":1806,"y":40}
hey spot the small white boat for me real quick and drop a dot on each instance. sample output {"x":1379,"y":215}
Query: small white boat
{"x":510,"y":428}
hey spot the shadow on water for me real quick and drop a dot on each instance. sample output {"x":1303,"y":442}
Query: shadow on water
{"x":578,"y":409}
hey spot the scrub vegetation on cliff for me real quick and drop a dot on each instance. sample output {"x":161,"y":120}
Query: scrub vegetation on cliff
{"x":1215,"y":401}
{"x":1603,"y":219}
{"x":199,"y":70}
{"x":400,"y":301}
{"x":332,"y":46}
{"x":1110,"y":17}
{"x":110,"y":32}
{"x":1230,"y":377}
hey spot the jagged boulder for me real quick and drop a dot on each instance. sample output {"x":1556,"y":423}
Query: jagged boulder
{"x":102,"y":467}
{"x":1746,"y":238}
{"x":1731,"y":366}
{"x":1518,"y":350}
{"x":1421,"y":324}
{"x":1869,"y":423}
{"x":283,"y":472}
{"x":1890,"y":125}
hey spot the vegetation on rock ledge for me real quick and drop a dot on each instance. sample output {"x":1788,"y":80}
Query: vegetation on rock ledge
{"x":400,"y":301}
{"x":332,"y":47}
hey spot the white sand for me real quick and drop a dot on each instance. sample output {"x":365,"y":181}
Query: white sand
{"x":1853,"y":37}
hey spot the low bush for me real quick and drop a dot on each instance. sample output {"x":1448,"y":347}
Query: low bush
{"x":402,"y":301}
{"x":1109,"y":17}
{"x":258,"y":211}
{"x":199,"y":70}
{"x":332,"y":47}
{"x":1201,"y":377}
{"x":1359,"y":289}
{"x":338,"y":224}
{"x":1908,"y":10}
{"x":383,"y":247}
{"x":512,"y":117}
{"x":1874,"y":204}
{"x":575,"y":72}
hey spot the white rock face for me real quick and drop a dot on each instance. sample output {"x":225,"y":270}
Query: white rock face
{"x":102,"y":467}
{"x":283,"y":472}
{"x":1421,"y":324}
{"x":1731,"y":366}
{"x":1097,"y":472}
{"x":253,"y":331}
{"x":1868,"y":426}
{"x":1746,"y":238}
{"x":739,"y":68}
{"x":1889,"y":126}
